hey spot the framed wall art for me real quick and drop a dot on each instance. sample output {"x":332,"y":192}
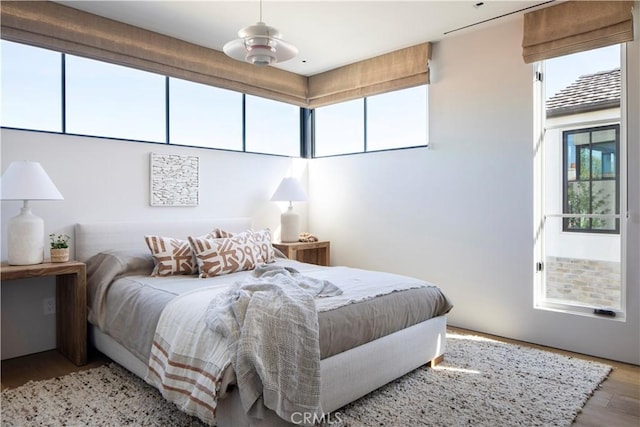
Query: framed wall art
{"x":175,"y":180}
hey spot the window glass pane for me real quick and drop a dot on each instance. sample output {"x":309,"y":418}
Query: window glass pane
{"x":114,"y":101}
{"x":397,"y":119}
{"x":596,"y":164}
{"x":564,"y":70}
{"x":604,"y":202}
{"x":585,"y":157}
{"x":603,"y":135}
{"x":204,"y":116}
{"x":578,"y":201}
{"x":571,"y":158}
{"x":581,"y":138}
{"x":272,"y":127}
{"x":339,"y":128}
{"x":31,"y":87}
{"x":608,"y":162}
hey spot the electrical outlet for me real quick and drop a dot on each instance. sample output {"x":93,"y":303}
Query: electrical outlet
{"x":49,"y":306}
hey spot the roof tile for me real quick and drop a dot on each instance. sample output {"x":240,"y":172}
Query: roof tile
{"x":588,"y":89}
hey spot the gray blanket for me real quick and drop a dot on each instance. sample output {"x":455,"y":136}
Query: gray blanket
{"x":271,"y":327}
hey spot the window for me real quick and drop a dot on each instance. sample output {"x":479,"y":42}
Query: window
{"x":339,"y":128}
{"x":272,"y":127}
{"x":114,"y":101}
{"x":397,"y":119}
{"x":579,"y":174}
{"x":392,"y":120}
{"x":31,"y":87}
{"x":204,"y":116}
{"x":591,"y":178}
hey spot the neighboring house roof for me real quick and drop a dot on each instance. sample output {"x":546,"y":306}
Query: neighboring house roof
{"x":588,"y":93}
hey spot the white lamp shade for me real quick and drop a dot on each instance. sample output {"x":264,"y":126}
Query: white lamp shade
{"x":289,"y":190}
{"x":24,"y":180}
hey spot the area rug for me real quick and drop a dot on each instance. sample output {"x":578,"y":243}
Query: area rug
{"x":482,"y":382}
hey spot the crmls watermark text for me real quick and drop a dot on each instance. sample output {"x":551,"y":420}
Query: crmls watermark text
{"x":311,"y":418}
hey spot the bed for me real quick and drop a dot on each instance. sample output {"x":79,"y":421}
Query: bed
{"x":348,"y":370}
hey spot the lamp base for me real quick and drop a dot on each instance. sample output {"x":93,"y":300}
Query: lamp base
{"x":25,"y":238}
{"x":289,"y":226}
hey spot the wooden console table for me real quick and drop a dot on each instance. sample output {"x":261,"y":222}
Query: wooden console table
{"x":71,"y":302}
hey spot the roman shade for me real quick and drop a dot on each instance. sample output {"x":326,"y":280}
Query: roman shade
{"x":399,"y":69}
{"x":575,"y":26}
{"x":64,"y":29}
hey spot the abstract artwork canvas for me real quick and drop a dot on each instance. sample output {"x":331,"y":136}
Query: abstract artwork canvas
{"x":175,"y":180}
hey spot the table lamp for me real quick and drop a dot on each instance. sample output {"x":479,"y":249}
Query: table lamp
{"x":289,"y":190}
{"x":24,"y":180}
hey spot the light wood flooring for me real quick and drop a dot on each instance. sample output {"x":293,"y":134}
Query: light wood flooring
{"x":615,"y":404}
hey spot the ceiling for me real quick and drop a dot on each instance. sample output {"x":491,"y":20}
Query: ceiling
{"x":328,"y":34}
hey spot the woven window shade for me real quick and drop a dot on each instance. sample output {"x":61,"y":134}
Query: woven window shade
{"x":575,"y":26}
{"x":64,"y":29}
{"x":400,"y":69}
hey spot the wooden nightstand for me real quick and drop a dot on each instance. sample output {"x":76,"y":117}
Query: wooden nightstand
{"x":71,"y":302}
{"x":310,"y":252}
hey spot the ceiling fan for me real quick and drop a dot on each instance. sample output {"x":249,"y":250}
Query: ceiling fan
{"x":260,"y":44}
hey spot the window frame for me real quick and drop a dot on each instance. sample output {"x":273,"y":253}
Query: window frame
{"x":303,"y":143}
{"x":540,"y":300}
{"x":366,"y":129}
{"x":591,"y":180}
{"x":45,"y":67}
{"x":85,"y":85}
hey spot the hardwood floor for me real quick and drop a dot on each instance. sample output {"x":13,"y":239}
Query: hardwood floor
{"x":42,"y":366}
{"x":615,"y":404}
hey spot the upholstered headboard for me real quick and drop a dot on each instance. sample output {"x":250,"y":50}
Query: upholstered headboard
{"x":94,"y":237}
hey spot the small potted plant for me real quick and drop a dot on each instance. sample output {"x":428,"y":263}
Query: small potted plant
{"x":59,"y":247}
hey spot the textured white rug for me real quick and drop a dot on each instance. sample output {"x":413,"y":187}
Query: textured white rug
{"x":482,"y":382}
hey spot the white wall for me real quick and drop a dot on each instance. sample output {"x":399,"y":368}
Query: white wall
{"x":460,"y":214}
{"x":108,"y":180}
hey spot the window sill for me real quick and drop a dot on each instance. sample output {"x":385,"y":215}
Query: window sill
{"x":578,"y":310}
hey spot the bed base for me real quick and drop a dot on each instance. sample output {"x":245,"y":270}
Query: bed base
{"x":345,"y":377}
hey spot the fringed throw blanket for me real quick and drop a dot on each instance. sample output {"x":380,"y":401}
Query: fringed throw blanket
{"x":187,"y":363}
{"x":272,"y":314}
{"x":270,"y":324}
